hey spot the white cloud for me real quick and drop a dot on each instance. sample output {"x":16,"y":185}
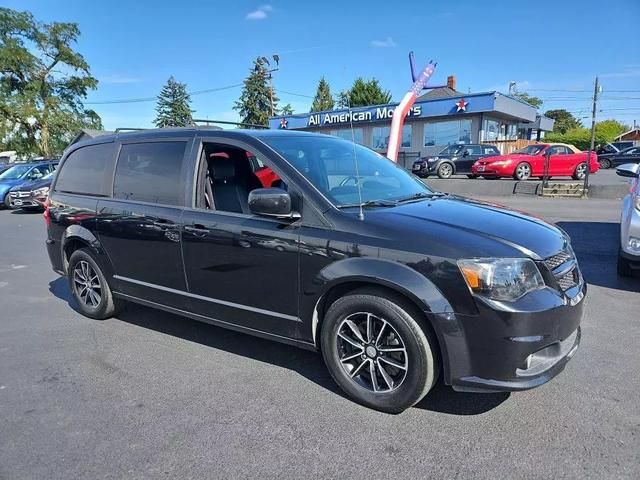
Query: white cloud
{"x":260,"y":13}
{"x":117,"y":79}
{"x":387,"y":43}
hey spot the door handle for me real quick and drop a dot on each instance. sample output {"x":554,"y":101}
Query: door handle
{"x":162,"y":223}
{"x":197,"y":229}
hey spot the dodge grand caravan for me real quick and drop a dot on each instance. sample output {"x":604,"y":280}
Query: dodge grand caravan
{"x":348,"y":254}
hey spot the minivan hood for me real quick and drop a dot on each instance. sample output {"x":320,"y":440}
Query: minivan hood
{"x":475,"y":228}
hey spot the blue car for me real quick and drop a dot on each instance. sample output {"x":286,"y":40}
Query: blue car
{"x":20,"y":174}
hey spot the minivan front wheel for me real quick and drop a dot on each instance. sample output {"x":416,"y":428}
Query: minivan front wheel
{"x":377,"y":352}
{"x":89,"y":286}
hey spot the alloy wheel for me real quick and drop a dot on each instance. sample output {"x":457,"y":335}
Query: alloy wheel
{"x":445,"y":170}
{"x":581,"y":171}
{"x":86,"y":284}
{"x":523,"y":171}
{"x":371,"y":352}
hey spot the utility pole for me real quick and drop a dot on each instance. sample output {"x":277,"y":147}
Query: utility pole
{"x":596,"y":91}
{"x":269,"y":72}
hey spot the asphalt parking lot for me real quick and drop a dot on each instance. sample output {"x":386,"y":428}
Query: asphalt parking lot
{"x":149,"y":394}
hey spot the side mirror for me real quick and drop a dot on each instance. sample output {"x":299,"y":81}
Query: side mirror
{"x":629,"y":170}
{"x":271,"y":202}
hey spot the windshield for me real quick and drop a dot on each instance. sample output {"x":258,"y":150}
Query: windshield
{"x":531,"y":150}
{"x":330,"y":165}
{"x":451,"y":150}
{"x":15,"y":172}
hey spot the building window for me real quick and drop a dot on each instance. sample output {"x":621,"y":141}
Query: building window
{"x":406,"y":136}
{"x":345,"y":133}
{"x":447,"y":132}
{"x":381,"y":137}
{"x":494,"y":130}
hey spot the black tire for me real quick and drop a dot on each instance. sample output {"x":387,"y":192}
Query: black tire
{"x":604,"y":163}
{"x":107,"y":306}
{"x":403,"y":327}
{"x":7,"y":202}
{"x":624,"y":268}
{"x":522,"y":171}
{"x":471,"y":175}
{"x":580,"y":171}
{"x":445,"y":170}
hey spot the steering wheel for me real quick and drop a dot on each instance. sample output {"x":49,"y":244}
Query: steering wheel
{"x":348,"y":179}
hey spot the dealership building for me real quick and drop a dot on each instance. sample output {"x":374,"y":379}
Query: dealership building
{"x":441,"y":117}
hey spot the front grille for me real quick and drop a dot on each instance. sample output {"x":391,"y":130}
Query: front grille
{"x":564,"y":268}
{"x":567,"y":281}
{"x":558,"y":259}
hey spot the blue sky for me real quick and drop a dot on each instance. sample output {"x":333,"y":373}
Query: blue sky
{"x":133,"y":47}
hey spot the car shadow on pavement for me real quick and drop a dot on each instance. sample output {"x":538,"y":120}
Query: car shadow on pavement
{"x":596,"y":246}
{"x":309,"y":364}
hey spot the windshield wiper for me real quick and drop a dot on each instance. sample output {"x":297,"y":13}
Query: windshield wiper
{"x":371,"y":203}
{"x":421,"y":195}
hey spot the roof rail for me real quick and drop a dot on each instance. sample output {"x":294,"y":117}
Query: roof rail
{"x":195,"y":122}
{"x":118,"y":130}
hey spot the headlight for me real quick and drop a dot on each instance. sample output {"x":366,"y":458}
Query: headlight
{"x":41,"y":192}
{"x":431,"y":160}
{"x":502,"y":279}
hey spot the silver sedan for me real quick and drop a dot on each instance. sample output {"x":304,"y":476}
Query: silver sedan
{"x":629,"y":254}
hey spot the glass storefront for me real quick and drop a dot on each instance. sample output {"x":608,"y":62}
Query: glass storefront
{"x":447,"y":132}
{"x":357,"y":135}
{"x":380,"y":137}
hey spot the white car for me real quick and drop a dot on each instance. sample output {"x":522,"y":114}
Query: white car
{"x":629,"y":254}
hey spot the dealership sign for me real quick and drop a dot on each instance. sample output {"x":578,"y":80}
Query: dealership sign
{"x":371,"y":115}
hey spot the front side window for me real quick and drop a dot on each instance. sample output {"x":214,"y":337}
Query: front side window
{"x":88,"y":170}
{"x":150,"y":172}
{"x":336,"y":169}
{"x":14,"y":173}
{"x":447,"y":132}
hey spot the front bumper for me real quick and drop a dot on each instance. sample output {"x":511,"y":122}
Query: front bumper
{"x":424,"y":169}
{"x":490,"y":171}
{"x":509,"y":350}
{"x":19,"y":199}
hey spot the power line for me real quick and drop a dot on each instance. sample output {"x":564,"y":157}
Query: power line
{"x":153,"y":99}
{"x":577,"y":91}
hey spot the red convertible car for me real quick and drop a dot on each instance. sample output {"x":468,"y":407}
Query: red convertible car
{"x":564,"y":161}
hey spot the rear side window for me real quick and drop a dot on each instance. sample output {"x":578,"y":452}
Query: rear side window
{"x":150,"y":172}
{"x":88,"y":170}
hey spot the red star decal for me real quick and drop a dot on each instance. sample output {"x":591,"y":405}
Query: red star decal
{"x":283,"y":123}
{"x":461,"y":105}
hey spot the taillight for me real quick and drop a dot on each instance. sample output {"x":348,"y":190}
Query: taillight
{"x":47,"y":213}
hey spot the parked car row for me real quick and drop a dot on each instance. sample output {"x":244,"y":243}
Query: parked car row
{"x":28,"y":181}
{"x":487,"y":162}
{"x":615,"y":159}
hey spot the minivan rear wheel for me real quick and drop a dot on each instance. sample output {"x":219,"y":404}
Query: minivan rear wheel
{"x":90,"y":288}
{"x":377,"y":352}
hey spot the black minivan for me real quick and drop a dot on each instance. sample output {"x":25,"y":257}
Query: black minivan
{"x":346,"y":253}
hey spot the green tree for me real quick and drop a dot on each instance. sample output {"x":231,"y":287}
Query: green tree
{"x":606,"y":131}
{"x":287,"y":110}
{"x":323,"y":99}
{"x":174,"y":105}
{"x":364,"y":93}
{"x":43,"y":82}
{"x":254,"y":105}
{"x":530,"y":99}
{"x":564,"y":120}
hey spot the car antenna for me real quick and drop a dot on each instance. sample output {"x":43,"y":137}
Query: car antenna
{"x":355,"y":159}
